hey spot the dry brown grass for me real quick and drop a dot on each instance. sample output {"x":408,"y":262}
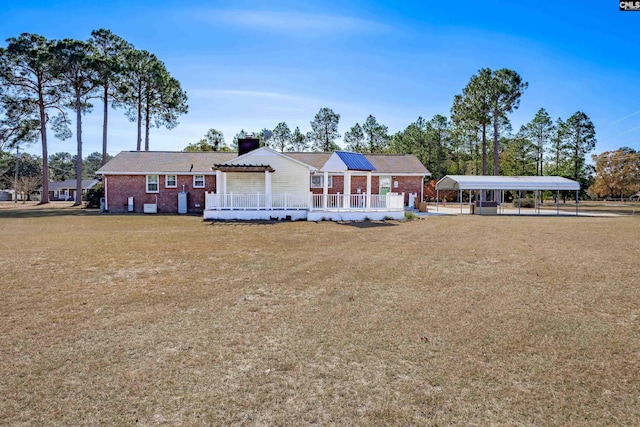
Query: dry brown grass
{"x":122,"y":320}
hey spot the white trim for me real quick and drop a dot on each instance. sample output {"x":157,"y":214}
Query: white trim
{"x":203,"y":182}
{"x":166,"y":181}
{"x":208,"y":173}
{"x":146,"y":187}
{"x":329,"y":181}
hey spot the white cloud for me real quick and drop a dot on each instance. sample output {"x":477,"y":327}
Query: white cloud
{"x":225,"y":93}
{"x":304,"y":23}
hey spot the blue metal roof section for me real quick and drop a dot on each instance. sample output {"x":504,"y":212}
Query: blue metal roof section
{"x":355,"y":161}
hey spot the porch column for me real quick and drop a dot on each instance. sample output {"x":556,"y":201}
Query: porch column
{"x":218,"y":189}
{"x":325,"y":190}
{"x":347,"y":190}
{"x":224,"y":187}
{"x":368,"y":200}
{"x":267,"y":190}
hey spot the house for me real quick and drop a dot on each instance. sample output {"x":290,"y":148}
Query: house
{"x":66,"y":190}
{"x":262,"y":183}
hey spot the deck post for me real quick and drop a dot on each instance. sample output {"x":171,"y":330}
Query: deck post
{"x":224,"y":187}
{"x":368,"y":195}
{"x":347,"y":190}
{"x":218,"y":189}
{"x":267,"y":191}
{"x":325,"y":190}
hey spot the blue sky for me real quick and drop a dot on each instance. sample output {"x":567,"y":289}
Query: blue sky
{"x":251,"y":64}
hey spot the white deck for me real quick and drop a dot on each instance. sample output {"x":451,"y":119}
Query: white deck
{"x":310,"y":207}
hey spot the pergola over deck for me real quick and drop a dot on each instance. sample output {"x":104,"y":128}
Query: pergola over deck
{"x":501,"y":183}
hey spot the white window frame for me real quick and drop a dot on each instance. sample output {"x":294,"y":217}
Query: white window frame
{"x":166,"y":181}
{"x":321,"y":177}
{"x":385,"y":178}
{"x":195,"y":178}
{"x":157,"y":183}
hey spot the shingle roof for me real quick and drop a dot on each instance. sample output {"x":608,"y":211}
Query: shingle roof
{"x":71,"y":183}
{"x":383,"y":163}
{"x":317,"y":160}
{"x":397,"y":164}
{"x":179,"y":162}
{"x":136,"y":162}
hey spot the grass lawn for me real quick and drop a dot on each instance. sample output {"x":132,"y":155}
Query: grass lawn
{"x":168,"y":320}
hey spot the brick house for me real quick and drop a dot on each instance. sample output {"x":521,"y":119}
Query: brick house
{"x":225,"y":185}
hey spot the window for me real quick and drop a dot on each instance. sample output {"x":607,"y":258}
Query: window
{"x":385,"y":185}
{"x":317,"y":181}
{"x":170,"y":181}
{"x":152,"y":183}
{"x":198,"y":181}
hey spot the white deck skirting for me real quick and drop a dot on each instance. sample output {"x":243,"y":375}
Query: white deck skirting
{"x":312,"y":207}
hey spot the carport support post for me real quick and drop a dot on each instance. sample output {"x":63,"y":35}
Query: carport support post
{"x":460,"y":196}
{"x":577,"y":202}
{"x":557,"y":202}
{"x":437,"y":197}
{"x":518,"y":202}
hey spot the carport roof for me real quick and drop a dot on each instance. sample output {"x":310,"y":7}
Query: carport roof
{"x":476,"y":182}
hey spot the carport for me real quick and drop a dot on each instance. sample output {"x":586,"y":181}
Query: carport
{"x":499,"y":184}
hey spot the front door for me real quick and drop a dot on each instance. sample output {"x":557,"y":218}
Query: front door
{"x":385,"y":185}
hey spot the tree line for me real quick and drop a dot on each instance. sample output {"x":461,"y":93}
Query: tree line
{"x":476,"y":130}
{"x":43,"y":81}
{"x":28,"y":167}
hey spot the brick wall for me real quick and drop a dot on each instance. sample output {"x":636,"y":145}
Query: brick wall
{"x":406,"y":184}
{"x":121,"y":187}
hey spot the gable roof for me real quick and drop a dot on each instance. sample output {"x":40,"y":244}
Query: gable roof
{"x":388,"y":164}
{"x":272,"y":152}
{"x":71,"y":183}
{"x":179,"y":162}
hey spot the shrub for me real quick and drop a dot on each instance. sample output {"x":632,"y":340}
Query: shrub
{"x":525,"y":203}
{"x":93,"y":196}
{"x":410,"y":216}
